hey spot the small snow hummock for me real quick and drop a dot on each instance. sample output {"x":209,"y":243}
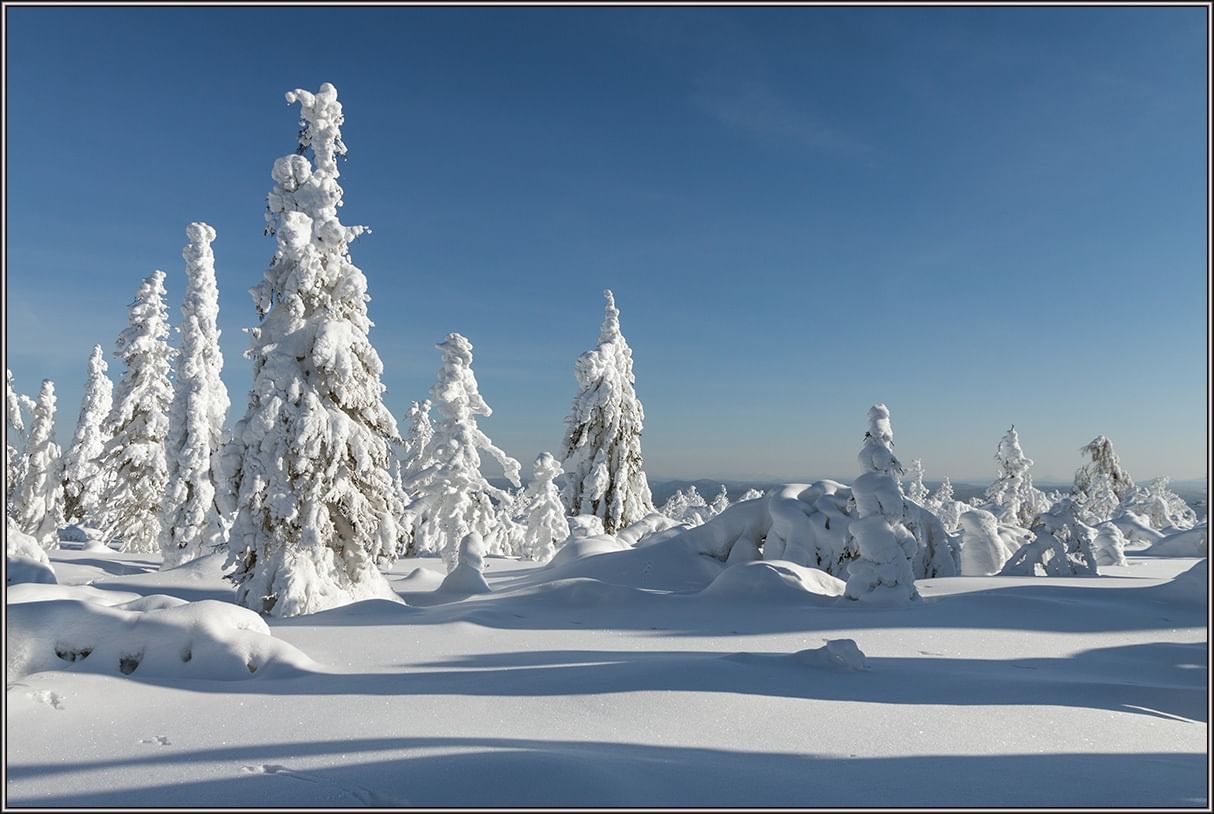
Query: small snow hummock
{"x":1192,"y":542}
{"x":773,"y":581}
{"x":837,"y":654}
{"x":883,"y":572}
{"x":467,"y":577}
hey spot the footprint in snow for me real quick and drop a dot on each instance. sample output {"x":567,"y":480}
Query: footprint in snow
{"x":52,"y":699}
{"x":364,"y":796}
{"x":160,"y":739}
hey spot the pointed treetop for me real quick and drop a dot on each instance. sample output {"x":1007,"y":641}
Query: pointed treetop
{"x":611,"y":319}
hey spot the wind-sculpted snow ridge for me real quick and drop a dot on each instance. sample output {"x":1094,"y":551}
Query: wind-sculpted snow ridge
{"x":146,"y":638}
{"x":1192,"y":542}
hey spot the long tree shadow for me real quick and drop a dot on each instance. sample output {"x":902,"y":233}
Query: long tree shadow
{"x":582,"y":604}
{"x":1165,"y":680}
{"x":483,"y":772}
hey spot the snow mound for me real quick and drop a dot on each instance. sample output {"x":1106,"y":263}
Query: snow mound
{"x":419,"y":579}
{"x":581,"y":547}
{"x":467,"y":577}
{"x":774,"y":581}
{"x":198,"y":579}
{"x":668,"y":565}
{"x":843,"y":655}
{"x":198,"y":640}
{"x":23,"y":570}
{"x":583,"y":592}
{"x":1192,"y":542}
{"x":1192,"y":587}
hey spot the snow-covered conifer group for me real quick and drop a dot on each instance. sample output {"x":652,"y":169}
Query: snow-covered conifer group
{"x":316,"y":504}
{"x":192,"y":523}
{"x":138,"y":424}
{"x":37,"y":506}
{"x":602,"y":445}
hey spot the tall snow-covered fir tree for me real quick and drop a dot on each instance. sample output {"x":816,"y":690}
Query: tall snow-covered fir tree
{"x":315,"y":500}
{"x":83,"y":478}
{"x":883,"y":571}
{"x":133,"y":461}
{"x":602,"y":445}
{"x":1103,"y":460}
{"x":192,"y":524}
{"x":452,"y":497}
{"x":546,"y":524}
{"x":38,"y":503}
{"x":14,"y":457}
{"x":1013,"y":498}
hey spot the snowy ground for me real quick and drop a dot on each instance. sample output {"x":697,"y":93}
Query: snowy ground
{"x":609,"y":681}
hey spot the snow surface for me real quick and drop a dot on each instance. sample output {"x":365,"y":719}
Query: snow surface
{"x":613,"y":677}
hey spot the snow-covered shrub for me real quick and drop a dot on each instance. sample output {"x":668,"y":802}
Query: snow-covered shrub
{"x":1108,"y":546}
{"x":37,"y":505}
{"x":315,"y":501}
{"x":1061,"y":547}
{"x":602,"y":445}
{"x":192,"y":524}
{"x":83,"y":478}
{"x":1104,"y":461}
{"x":749,"y":494}
{"x":586,"y":525}
{"x":1099,"y":502}
{"x":720,"y":502}
{"x":883,"y":570}
{"x":1012,"y":497}
{"x":467,"y":577}
{"x":946,"y":507}
{"x":939,"y":553}
{"x":687,"y":506}
{"x":983,"y":549}
{"x":546,"y":525}
{"x":452,"y":497}
{"x":1162,"y":507}
{"x":133,"y":462}
{"x":915,"y":489}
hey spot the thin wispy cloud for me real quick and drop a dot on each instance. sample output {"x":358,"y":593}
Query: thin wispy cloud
{"x":760,"y":110}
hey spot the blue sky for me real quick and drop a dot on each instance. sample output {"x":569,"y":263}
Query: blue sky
{"x":977,"y":216}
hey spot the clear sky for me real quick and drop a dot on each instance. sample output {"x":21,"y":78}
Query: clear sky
{"x":978,"y":216}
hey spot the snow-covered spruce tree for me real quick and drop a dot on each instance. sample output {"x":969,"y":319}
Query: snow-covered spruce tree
{"x":417,"y":443}
{"x":453,"y":498}
{"x":721,"y":502}
{"x":1062,"y":546}
{"x":315,"y":502}
{"x":1103,"y":460}
{"x":886,"y":548}
{"x":38,"y":504}
{"x":602,"y":445}
{"x":946,"y":507}
{"x":14,"y":457}
{"x":915,"y":489}
{"x":192,"y":524}
{"x":83,"y":478}
{"x":133,"y":461}
{"x":546,"y":524}
{"x":1099,"y":503}
{"x":1013,"y":498}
